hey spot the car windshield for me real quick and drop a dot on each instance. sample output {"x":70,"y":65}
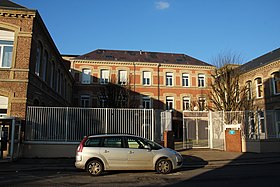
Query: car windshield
{"x":153,"y":145}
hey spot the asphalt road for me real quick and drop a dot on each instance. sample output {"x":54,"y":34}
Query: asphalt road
{"x":239,"y":175}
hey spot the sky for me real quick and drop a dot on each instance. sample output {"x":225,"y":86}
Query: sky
{"x":202,"y":29}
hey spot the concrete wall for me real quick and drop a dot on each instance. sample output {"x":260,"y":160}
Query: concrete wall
{"x":48,"y":150}
{"x":261,"y":146}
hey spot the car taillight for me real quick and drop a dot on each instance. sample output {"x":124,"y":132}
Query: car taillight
{"x":81,"y":146}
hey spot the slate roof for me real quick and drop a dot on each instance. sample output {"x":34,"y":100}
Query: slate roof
{"x":260,"y":61}
{"x":10,"y":4}
{"x":141,"y":56}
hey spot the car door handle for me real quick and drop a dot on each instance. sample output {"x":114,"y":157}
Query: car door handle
{"x":106,"y":151}
{"x":131,"y":152}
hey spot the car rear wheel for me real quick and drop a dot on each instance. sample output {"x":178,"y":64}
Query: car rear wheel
{"x":94,"y":168}
{"x":163,"y":166}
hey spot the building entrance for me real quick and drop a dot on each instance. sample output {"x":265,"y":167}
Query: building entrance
{"x":9,"y":137}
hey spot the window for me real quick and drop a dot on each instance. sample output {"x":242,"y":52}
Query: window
{"x":58,"y":86}
{"x":276,"y":82}
{"x":38,"y":58}
{"x":169,"y":79}
{"x":103,"y":99}
{"x":169,"y":103}
{"x":249,"y":90}
{"x":3,"y":106}
{"x":114,"y":142}
{"x":93,"y":142}
{"x":104,"y":76}
{"x":185,"y":80}
{"x":85,"y":101}
{"x":6,"y":53}
{"x":186,"y":103}
{"x":146,"y":78}
{"x":259,"y":89}
{"x":122,"y":77}
{"x":51,"y":74}
{"x":6,"y":48}
{"x":44,"y":65}
{"x":135,"y":143}
{"x":201,"y":103}
{"x":86,"y":76}
{"x":146,"y":102}
{"x":261,"y":121}
{"x":201,"y":80}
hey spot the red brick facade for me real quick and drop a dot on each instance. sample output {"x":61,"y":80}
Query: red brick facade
{"x":19,"y":84}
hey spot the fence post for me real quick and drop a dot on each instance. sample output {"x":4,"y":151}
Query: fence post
{"x":66,"y":125}
{"x":210,"y":121}
{"x":153,"y":127}
{"x":106,"y":120}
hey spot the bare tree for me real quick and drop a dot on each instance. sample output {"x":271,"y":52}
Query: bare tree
{"x":227,"y":94}
{"x":114,"y":95}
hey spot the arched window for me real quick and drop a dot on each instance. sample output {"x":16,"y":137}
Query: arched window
{"x":276,"y":82}
{"x":38,"y":58}
{"x":259,"y":87}
{"x":249,"y":93}
{"x":44,"y":65}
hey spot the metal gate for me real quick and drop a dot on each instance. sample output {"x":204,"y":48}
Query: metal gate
{"x":195,"y":129}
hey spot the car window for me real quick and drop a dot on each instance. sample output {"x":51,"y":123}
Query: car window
{"x":134,"y":143}
{"x":113,"y":142}
{"x":93,"y":142}
{"x":153,"y":145}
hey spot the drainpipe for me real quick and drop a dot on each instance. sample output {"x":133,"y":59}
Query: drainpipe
{"x":158,"y":85}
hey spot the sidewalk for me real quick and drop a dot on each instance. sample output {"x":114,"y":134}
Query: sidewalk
{"x":194,"y":158}
{"x":216,"y":158}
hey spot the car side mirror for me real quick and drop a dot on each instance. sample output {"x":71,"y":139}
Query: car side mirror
{"x":147,"y":147}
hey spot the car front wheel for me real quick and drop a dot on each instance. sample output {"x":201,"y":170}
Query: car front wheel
{"x":163,"y":166}
{"x":94,"y":168}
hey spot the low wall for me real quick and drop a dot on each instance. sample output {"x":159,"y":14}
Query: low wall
{"x":261,"y":146}
{"x":48,"y":150}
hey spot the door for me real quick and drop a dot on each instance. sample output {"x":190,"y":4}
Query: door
{"x":138,"y":156}
{"x":114,"y":153}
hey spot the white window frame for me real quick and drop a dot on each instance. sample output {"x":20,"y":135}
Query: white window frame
{"x":7,"y":40}
{"x":276,"y":83}
{"x":186,"y":103}
{"x":146,"y":78}
{"x":185,"y":80}
{"x":169,"y":78}
{"x":84,"y":101}
{"x":4,"y":44}
{"x":86,"y":76}
{"x":104,"y":76}
{"x":169,"y":103}
{"x":122,"y":77}
{"x":146,"y":102}
{"x":259,"y":87}
{"x":201,"y":80}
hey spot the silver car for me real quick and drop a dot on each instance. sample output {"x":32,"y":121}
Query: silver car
{"x":100,"y":153}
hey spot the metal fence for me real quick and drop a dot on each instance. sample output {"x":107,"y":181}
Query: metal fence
{"x":253,"y":125}
{"x":57,"y":124}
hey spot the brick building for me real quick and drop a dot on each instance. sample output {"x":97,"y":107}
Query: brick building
{"x":32,"y":71}
{"x":262,"y":77}
{"x":140,"y":79}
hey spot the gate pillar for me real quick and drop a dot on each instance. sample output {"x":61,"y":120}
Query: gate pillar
{"x":169,"y":139}
{"x":233,"y":140}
